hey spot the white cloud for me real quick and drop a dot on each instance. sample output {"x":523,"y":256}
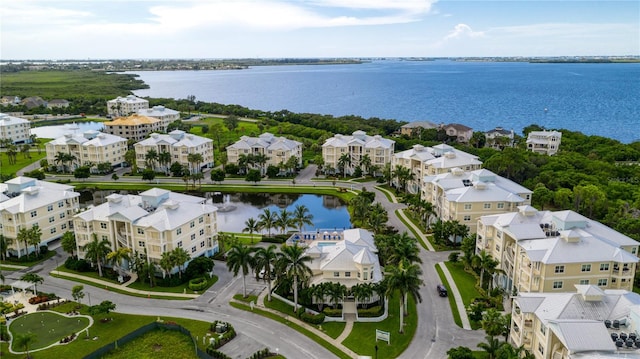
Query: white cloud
{"x":463,"y":31}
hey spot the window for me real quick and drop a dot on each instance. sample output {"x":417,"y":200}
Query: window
{"x":180,"y":244}
{"x":604,"y":266}
{"x":140,"y":243}
{"x":602,"y":282}
{"x":634,"y":250}
{"x":60,"y":204}
{"x":487,"y":206}
{"x":103,"y":225}
{"x":104,"y":238}
{"x":140,"y":231}
{"x":497,"y":247}
{"x":62,"y":215}
{"x":584,"y":281}
{"x":347,"y":274}
{"x":179,"y":231}
{"x":557,"y":284}
{"x":540,"y":348}
{"x":202,"y":232}
{"x":193,"y":236}
{"x":467,"y":206}
{"x":34,"y":214}
{"x":365,"y":276}
{"x":336,"y":274}
{"x":201,"y":244}
{"x":201,"y":219}
{"x":51,"y":219}
{"x":543,"y":329}
{"x":63,"y":226}
{"x":53,"y":230}
{"x":193,"y":249}
{"x":559,"y":269}
{"x":192,"y":224}
{"x":586,"y":268}
{"x":466,"y":218}
{"x":501,"y":205}
{"x":50,"y":208}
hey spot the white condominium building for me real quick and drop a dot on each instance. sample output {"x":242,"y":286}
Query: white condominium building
{"x":428,"y":161}
{"x":27,"y":202}
{"x":179,"y":145}
{"x":355,"y":148}
{"x":123,"y":106}
{"x":465,"y":196}
{"x":544,"y":251}
{"x":278,"y":150}
{"x":14,"y":128}
{"x":544,"y":142}
{"x":152,"y":223}
{"x":90,"y":147}
{"x":165,"y":115}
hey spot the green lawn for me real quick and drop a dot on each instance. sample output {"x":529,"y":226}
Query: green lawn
{"x":333,"y":329}
{"x":183,"y":288}
{"x":452,"y":301}
{"x":413,"y":232}
{"x":157,"y":344}
{"x":363,"y":335}
{"x":21,"y":162}
{"x":465,"y":282}
{"x":48,"y":327}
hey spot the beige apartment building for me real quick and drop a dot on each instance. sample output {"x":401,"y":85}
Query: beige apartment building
{"x":428,"y":161}
{"x":90,"y":147}
{"x":586,"y":323}
{"x":152,"y":223}
{"x":15,"y":129}
{"x":134,"y":127}
{"x":27,"y":202}
{"x":378,"y":149}
{"x":544,"y":251}
{"x":277,"y":149}
{"x":165,"y":115}
{"x":179,"y":145}
{"x":465,"y":196}
{"x":124,"y":106}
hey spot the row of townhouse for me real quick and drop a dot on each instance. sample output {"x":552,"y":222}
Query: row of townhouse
{"x":15,"y":129}
{"x":278,"y":150}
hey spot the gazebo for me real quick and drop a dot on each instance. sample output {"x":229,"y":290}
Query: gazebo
{"x":24,"y":285}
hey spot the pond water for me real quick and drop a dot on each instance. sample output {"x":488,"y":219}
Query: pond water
{"x":329,"y":212}
{"x":59,"y":130}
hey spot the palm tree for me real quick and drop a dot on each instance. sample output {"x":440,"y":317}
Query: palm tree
{"x":164,"y":159}
{"x":180,"y":257}
{"x":343,"y":163}
{"x":320,"y":291}
{"x":404,"y":279}
{"x":5,"y":243}
{"x":336,"y":292}
{"x":239,"y":257}
{"x":404,"y":248}
{"x":362,"y":292}
{"x":284,"y":220}
{"x":35,"y":237}
{"x":68,"y":242}
{"x":24,"y":340}
{"x":150,"y":159}
{"x":485,"y":263}
{"x":293,"y":262}
{"x":167,"y":263}
{"x":33,"y":278}
{"x":96,"y":251}
{"x":491,"y":346}
{"x":267,"y":220}
{"x":404,"y":175}
{"x":251,"y":225}
{"x":195,"y":158}
{"x":23,"y":236}
{"x":365,"y":162}
{"x":260,"y":159}
{"x":377,"y":218}
{"x":265,"y":259}
{"x":117,"y":256}
{"x":59,"y":159}
{"x":302,"y":216}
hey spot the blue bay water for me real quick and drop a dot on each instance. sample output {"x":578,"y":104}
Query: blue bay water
{"x":596,"y":99}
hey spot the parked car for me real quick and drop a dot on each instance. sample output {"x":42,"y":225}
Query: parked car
{"x":442,"y":290}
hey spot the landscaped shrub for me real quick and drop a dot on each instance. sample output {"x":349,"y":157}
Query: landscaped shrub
{"x":313,"y":318}
{"x":198,"y":284}
{"x":79,"y":265}
{"x":198,"y":267}
{"x":330,"y":312}
{"x":273,"y":239}
{"x":372,"y":312}
{"x":41,"y":298}
{"x":220,"y":339}
{"x":261,"y":354}
{"x":217,"y":354}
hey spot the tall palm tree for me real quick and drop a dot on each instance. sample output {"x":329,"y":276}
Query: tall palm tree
{"x":25,"y":340}
{"x":491,"y":346}
{"x":150,"y":158}
{"x":68,"y":242}
{"x":336,"y":292}
{"x":404,"y":248}
{"x":284,"y":220}
{"x":365,"y":162}
{"x":164,"y":159}
{"x":96,"y":251}
{"x":180,"y":257}
{"x":240,"y":257}
{"x":23,"y":236}
{"x":251,"y":225}
{"x":265,"y":259}
{"x":293,"y":262}
{"x":119,"y":255}
{"x":302,"y":216}
{"x":5,"y":243}
{"x":33,"y":278}
{"x":404,"y":175}
{"x":405,"y":280}
{"x":59,"y":159}
{"x":320,"y":292}
{"x":267,"y":220}
{"x":194,"y":160}
{"x":167,"y":263}
{"x":35,"y":237}
{"x":377,"y":217}
{"x":260,"y":159}
{"x":485,"y":263}
{"x":343,"y":162}
{"x":362,"y":292}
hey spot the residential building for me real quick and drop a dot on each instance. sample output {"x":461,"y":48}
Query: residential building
{"x":179,"y":145}
{"x":465,"y":196}
{"x":347,"y":257}
{"x":462,"y":133}
{"x":379,"y":150}
{"x":33,"y":102}
{"x":58,"y":103}
{"x":586,"y":323}
{"x":88,"y":148}
{"x":165,"y":115}
{"x":278,"y":150}
{"x":499,"y":138}
{"x":123,"y":106}
{"x":544,"y":251}
{"x":149,"y":224}
{"x":544,"y":142}
{"x":27,"y":202}
{"x":15,"y":129}
{"x":133,"y":127}
{"x":414,"y":128}
{"x":9,"y":100}
{"x":423,"y":161}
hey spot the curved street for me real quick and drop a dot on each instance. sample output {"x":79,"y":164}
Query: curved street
{"x":436,"y":332}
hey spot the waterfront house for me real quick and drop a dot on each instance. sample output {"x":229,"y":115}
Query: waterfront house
{"x":461,"y":133}
{"x":499,"y":138}
{"x":544,"y":142}
{"x":414,"y":128}
{"x":58,"y":103}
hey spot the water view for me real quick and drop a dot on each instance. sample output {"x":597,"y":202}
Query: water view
{"x":328,"y":212}
{"x":60,"y":130}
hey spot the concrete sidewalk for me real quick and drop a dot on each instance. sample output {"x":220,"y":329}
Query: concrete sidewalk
{"x":453,"y":289}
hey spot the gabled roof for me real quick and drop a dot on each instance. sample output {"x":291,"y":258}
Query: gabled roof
{"x":360,"y":138}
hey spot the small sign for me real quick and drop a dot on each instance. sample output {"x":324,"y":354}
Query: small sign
{"x":384,"y":336}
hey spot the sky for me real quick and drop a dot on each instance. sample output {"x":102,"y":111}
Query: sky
{"x":212,"y":29}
